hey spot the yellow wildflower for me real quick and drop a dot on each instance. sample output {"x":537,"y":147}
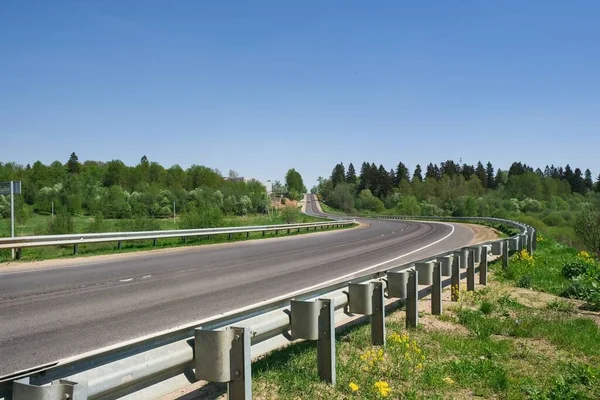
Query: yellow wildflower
{"x":419,"y":366}
{"x":382,"y":388}
{"x":448,"y":380}
{"x":353,"y":386}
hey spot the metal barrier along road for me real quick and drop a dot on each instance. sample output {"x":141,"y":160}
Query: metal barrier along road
{"x":220,"y":349}
{"x":76,"y":239}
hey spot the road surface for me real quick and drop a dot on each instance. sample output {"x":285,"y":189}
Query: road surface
{"x":52,"y":310}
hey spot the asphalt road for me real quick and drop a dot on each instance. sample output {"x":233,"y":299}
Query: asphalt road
{"x":52,"y":310}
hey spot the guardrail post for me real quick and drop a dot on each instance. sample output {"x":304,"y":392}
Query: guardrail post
{"x":534,"y":239}
{"x":185,"y":239}
{"x":483,"y":266}
{"x":412,"y":300}
{"x":247,"y":235}
{"x":471,"y":271}
{"x":455,"y":279}
{"x":119,"y":245}
{"x":368,"y":299}
{"x":447,"y":265}
{"x":436,"y":290}
{"x":529,"y":241}
{"x":425,"y":270}
{"x":263,"y":233}
{"x":505,"y":250}
{"x":18,"y":254}
{"x":464,"y":258}
{"x":314,"y":320}
{"x":289,"y":230}
{"x":396,"y":284}
{"x":58,"y":390}
{"x":224,"y":356}
{"x":75,"y":249}
{"x":229,"y":236}
{"x":154,"y":242}
{"x":378,"y":317}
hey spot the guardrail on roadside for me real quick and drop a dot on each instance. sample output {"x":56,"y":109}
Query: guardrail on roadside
{"x":220,"y":349}
{"x":20,"y":242}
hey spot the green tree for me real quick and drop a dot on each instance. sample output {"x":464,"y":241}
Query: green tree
{"x":418,"y":174}
{"x":589,"y":183}
{"x":293,"y":181}
{"x":338,"y":175}
{"x":342,"y":197}
{"x":402,"y":174}
{"x":481,"y":174}
{"x":351,"y":175}
{"x":73,"y":166}
{"x":489,"y":176}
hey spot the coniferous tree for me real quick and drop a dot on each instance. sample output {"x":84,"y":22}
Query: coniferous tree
{"x":489,"y":176}
{"x":467,"y":171}
{"x":432,"y":171}
{"x":480,"y":173}
{"x":589,"y":183}
{"x":338,"y":175}
{"x":418,"y":174}
{"x":351,"y":174}
{"x":578,"y":184}
{"x":402,"y":174}
{"x":73,"y":166}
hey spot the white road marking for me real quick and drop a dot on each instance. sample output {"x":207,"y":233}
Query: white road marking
{"x":126,"y":280}
{"x":146,"y":276}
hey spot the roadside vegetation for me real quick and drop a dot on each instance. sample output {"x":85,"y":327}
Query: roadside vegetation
{"x":533,"y":333}
{"x":497,"y":342}
{"x":95,"y":197}
{"x":555,"y":200}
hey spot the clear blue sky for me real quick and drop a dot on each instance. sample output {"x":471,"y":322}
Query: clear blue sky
{"x":260,"y":87}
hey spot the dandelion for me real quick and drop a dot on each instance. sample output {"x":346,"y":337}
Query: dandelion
{"x":353,"y":386}
{"x":448,"y":380}
{"x":382,"y":388}
{"x":419,"y":366}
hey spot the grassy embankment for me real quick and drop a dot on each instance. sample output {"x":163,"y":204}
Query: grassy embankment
{"x":503,"y":341}
{"x":38,"y":225}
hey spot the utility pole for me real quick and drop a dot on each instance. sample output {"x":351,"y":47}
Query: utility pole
{"x":12,"y":216}
{"x":174,"y":213}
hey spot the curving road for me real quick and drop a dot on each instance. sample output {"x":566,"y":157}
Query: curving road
{"x":55,"y":309}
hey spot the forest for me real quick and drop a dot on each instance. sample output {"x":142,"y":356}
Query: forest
{"x":142,"y":193}
{"x":550,"y":199}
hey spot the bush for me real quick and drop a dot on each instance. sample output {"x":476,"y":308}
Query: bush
{"x":98,"y":225}
{"x":206,"y":217}
{"x":290,"y":214}
{"x":554,"y":219}
{"x":61,"y":224}
{"x":575,"y":268}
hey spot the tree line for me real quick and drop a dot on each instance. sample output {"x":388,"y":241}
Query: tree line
{"x":551,"y":195}
{"x":146,"y":190}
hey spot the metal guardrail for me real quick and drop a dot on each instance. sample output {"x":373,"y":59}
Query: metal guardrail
{"x":220,"y":349}
{"x":76,"y":239}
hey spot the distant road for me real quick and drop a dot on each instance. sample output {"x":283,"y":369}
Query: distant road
{"x":51,"y":310}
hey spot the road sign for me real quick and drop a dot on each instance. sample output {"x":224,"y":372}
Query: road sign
{"x":5,"y":188}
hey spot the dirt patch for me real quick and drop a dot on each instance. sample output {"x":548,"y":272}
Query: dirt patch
{"x":483,"y":233}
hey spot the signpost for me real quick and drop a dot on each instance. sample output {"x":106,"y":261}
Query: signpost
{"x":11,"y":188}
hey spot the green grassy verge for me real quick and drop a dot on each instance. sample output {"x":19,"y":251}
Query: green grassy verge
{"x":490,"y":346}
{"x":555,"y":268}
{"x":82,"y":225}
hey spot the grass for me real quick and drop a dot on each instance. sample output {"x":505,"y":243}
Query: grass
{"x":500,"y":348}
{"x":555,"y":268}
{"x":38,"y":225}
